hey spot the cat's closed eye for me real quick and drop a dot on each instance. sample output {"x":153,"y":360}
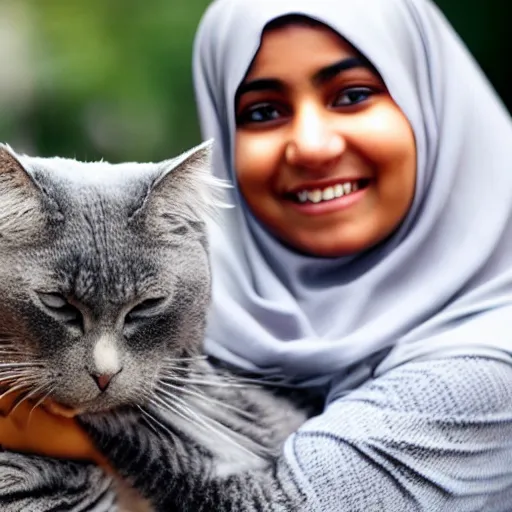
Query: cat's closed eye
{"x":59,"y":308}
{"x":145,"y":309}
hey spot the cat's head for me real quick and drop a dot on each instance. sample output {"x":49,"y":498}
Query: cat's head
{"x":104,"y":274}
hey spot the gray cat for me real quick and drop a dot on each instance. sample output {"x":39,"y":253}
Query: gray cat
{"x":104,"y":291}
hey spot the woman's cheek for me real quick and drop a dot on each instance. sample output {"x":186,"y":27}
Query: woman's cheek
{"x":385,"y":133}
{"x":255,"y":158}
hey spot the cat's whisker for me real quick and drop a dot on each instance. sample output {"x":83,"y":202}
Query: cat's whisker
{"x":243,"y":413}
{"x":192,"y":372}
{"x":148,"y":420}
{"x":39,"y":402}
{"x":231,"y":436}
{"x":25,"y":368}
{"x":159,"y":403}
{"x":185,"y":414}
{"x":14,"y":352}
{"x":15,"y":375}
{"x":25,"y":380}
{"x":11,"y":347}
{"x":20,"y":375}
{"x":249,"y":381}
{"x":27,"y":396}
{"x":152,"y":419}
{"x":211,"y":424}
{"x":177,"y":368}
{"x":21,"y":365}
{"x":13,"y":389}
{"x":17,"y":401}
{"x":14,"y":379}
{"x":182,"y":360}
{"x":204,"y":382}
{"x":22,"y":384}
{"x":208,"y":399}
{"x":8,"y":359}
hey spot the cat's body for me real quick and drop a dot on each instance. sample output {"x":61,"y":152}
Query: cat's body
{"x":104,"y":291}
{"x":169,"y":463}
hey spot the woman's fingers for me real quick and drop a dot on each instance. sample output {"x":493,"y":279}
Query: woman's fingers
{"x":25,"y":428}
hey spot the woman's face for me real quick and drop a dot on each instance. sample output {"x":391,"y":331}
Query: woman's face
{"x":324,"y":157}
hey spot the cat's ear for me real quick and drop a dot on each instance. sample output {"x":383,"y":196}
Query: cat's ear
{"x":186,"y":187}
{"x":21,"y":212}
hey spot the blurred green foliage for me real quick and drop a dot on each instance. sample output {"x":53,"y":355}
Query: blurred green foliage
{"x":111,"y":78}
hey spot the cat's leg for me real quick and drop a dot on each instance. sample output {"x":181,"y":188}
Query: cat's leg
{"x":39,"y":484}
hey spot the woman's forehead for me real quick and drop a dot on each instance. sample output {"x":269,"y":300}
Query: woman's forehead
{"x":277,"y":40}
{"x":296,"y":52}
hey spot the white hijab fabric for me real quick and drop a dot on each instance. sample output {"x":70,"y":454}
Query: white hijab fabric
{"x":443,"y":283}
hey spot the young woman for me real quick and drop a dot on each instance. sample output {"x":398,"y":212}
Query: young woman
{"x":369,"y":255}
{"x":370,"y":249}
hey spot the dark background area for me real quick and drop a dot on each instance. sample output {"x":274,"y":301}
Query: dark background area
{"x":112,"y":78}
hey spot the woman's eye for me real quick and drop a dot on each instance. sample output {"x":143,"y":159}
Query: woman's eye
{"x":352,"y":96}
{"x":262,"y":113}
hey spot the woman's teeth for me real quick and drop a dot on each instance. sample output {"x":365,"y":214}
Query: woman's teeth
{"x":328,"y":193}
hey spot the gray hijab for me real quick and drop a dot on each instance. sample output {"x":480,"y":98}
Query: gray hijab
{"x":442,"y":284}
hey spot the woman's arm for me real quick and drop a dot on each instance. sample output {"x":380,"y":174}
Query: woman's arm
{"x":429,"y":436}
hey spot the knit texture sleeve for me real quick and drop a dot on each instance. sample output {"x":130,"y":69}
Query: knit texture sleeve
{"x":428,"y":436}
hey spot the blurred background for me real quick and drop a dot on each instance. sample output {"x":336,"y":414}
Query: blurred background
{"x":112,"y":78}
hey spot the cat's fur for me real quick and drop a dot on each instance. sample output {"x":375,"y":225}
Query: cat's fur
{"x":105,"y":281}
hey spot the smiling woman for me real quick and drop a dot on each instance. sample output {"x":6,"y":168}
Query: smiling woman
{"x":355,"y":135}
{"x":320,"y":143}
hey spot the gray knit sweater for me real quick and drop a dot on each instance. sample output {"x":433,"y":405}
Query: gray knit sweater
{"x":430,"y":436}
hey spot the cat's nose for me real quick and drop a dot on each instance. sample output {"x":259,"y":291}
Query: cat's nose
{"x":103,"y":380}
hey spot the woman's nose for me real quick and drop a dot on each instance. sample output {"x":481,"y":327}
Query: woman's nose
{"x":314,"y":142}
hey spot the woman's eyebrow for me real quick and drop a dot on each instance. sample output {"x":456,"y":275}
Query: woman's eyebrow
{"x":260,"y":84}
{"x":320,"y":77}
{"x":329,"y":72}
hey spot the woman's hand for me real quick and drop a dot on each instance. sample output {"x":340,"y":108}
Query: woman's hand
{"x":38,"y":431}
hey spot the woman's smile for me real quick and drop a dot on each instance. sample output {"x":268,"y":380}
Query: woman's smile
{"x":327,"y":196}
